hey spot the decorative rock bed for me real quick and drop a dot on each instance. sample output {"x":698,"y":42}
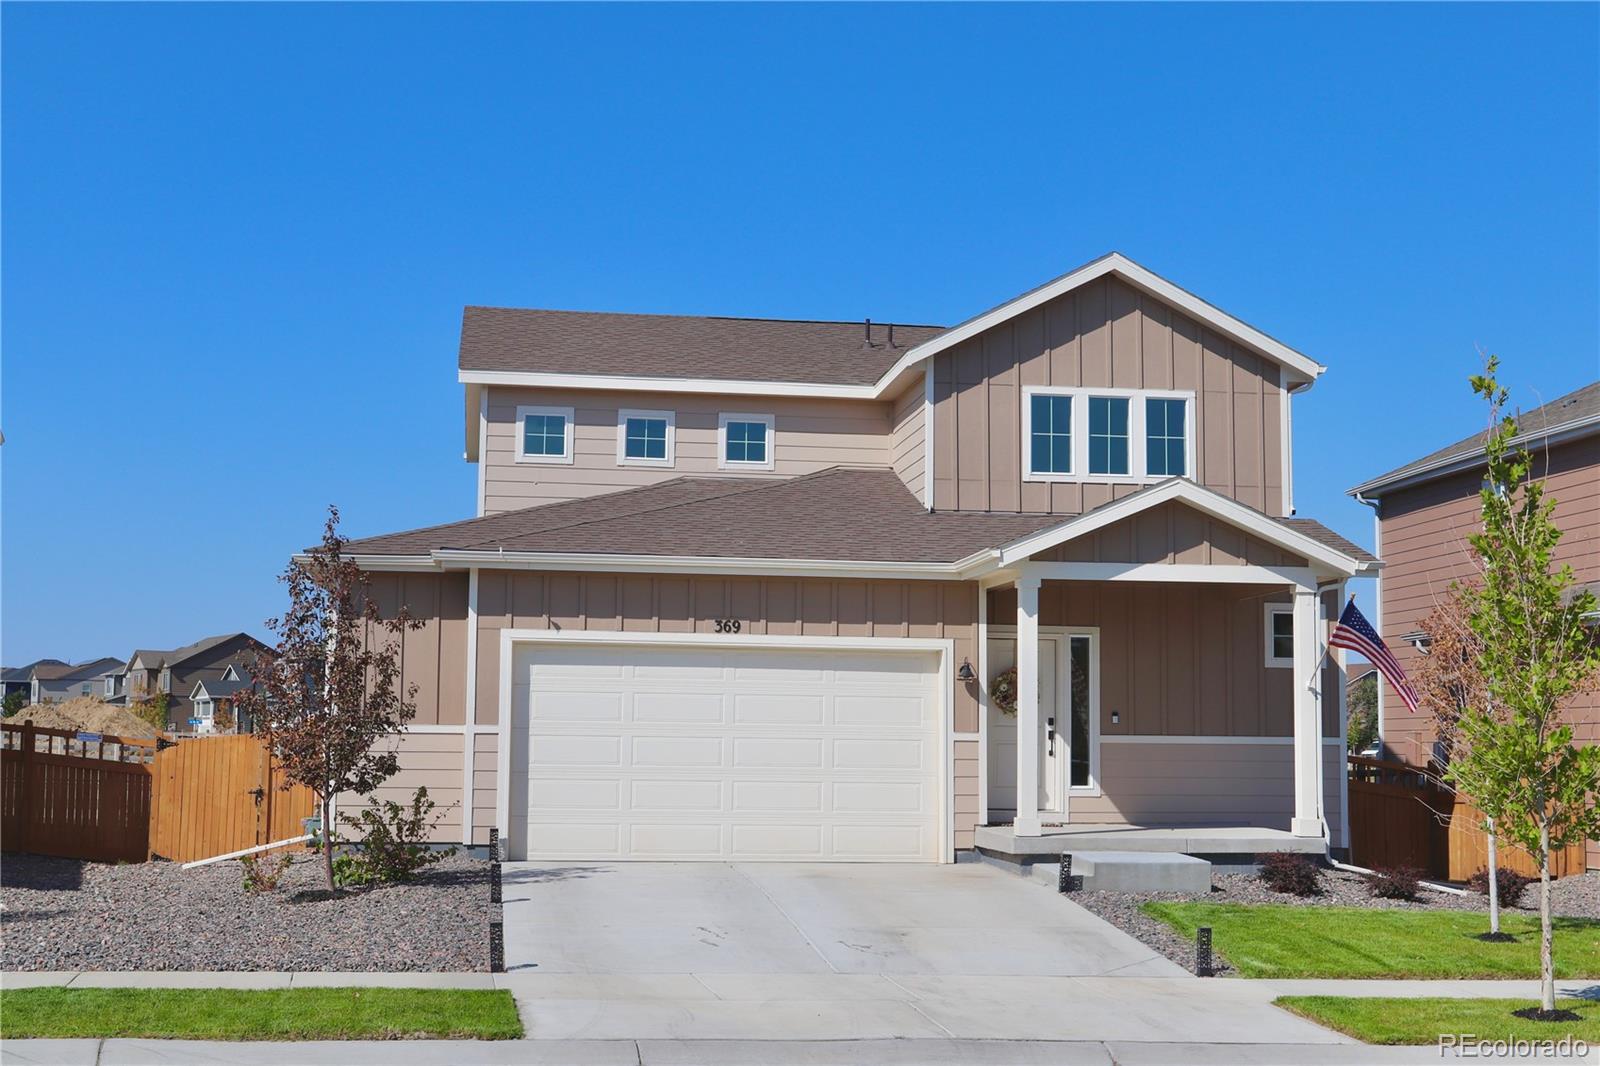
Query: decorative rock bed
{"x":1575,"y":897}
{"x":63,"y":914}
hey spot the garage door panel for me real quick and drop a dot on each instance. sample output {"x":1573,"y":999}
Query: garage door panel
{"x":688,"y":708}
{"x":676,"y":795}
{"x":673,"y":753}
{"x":761,"y":797}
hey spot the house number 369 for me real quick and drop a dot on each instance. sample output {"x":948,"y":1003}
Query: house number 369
{"x":727,"y":625}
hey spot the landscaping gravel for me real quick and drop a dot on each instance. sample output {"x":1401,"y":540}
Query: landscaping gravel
{"x":1575,"y":897}
{"x":63,"y":914}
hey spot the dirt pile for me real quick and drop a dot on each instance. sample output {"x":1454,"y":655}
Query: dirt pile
{"x":87,"y":713}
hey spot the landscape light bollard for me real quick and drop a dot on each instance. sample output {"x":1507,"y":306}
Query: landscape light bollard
{"x":494,"y":844}
{"x":497,"y":947}
{"x":1202,"y":951}
{"x":494,"y":882}
{"x":1065,"y":881}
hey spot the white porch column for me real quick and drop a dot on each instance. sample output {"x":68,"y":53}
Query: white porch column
{"x":1027,"y":821}
{"x":1307,"y":716}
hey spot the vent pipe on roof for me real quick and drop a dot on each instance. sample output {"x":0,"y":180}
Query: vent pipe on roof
{"x":891,"y":334}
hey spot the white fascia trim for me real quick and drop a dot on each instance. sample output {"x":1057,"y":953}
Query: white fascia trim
{"x":1177,"y":573}
{"x":945,"y":648}
{"x":1115,"y":263}
{"x":927,"y":435}
{"x":1202,"y":499}
{"x":622,"y":383}
{"x":1451,"y":464}
{"x":1139,"y":278}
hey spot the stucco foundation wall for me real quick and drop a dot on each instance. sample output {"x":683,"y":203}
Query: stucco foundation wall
{"x":648,"y":603}
{"x":1243,"y":784}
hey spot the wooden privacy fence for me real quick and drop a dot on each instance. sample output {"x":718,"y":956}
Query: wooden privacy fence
{"x":1400,"y":816}
{"x":77,"y":799}
{"x":116,"y":799}
{"x":213,"y":795}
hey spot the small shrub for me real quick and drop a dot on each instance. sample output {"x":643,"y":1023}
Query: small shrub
{"x":394,"y":842}
{"x":1292,"y":873}
{"x":1511,"y":885}
{"x":14,"y":702}
{"x":1394,"y":882}
{"x":262,"y":873}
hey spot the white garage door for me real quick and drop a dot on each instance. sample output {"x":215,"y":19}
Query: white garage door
{"x":668,"y":753}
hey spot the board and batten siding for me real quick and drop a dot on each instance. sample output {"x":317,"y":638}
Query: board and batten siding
{"x":1106,"y":334}
{"x":650,"y":603}
{"x":1172,"y":533}
{"x":433,"y":657}
{"x":1424,"y":531}
{"x":907,"y":447}
{"x":809,"y":435}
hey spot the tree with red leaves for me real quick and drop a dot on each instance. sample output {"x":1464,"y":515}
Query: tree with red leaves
{"x":331,"y":690}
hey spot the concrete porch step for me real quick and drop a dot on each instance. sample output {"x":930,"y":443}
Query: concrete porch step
{"x":1116,"y":871}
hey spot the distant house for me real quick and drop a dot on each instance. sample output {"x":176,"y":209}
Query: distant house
{"x":52,"y":680}
{"x":149,"y":673}
{"x":217,"y":699}
{"x":20,"y":678}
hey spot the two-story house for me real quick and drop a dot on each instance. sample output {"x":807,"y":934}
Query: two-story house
{"x":742,"y":588}
{"x":1424,"y":513}
{"x":150,"y":673}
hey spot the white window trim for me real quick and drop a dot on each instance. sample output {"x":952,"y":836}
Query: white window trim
{"x":566,"y":457}
{"x":723,"y":462}
{"x":623,"y":459}
{"x":1137,"y":443}
{"x":1269,"y":611}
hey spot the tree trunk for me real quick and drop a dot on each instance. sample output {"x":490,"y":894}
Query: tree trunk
{"x":327,"y":840}
{"x":1494,"y":885}
{"x":1547,"y":963}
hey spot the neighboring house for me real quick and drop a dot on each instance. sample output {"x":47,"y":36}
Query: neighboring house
{"x":1424,"y":513}
{"x":149,"y":673}
{"x":20,"y":678}
{"x":737,"y":589}
{"x":64,"y":681}
{"x":212,"y":697}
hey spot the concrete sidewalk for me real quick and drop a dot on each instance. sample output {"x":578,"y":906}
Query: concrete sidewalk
{"x":932,"y":1052}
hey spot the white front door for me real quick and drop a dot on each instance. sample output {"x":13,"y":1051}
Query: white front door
{"x":1003,"y":732}
{"x":639,"y":751}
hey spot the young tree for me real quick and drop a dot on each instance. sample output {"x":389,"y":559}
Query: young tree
{"x":1514,"y":755}
{"x":1449,"y":682}
{"x":331,"y":690}
{"x":1363,"y":701}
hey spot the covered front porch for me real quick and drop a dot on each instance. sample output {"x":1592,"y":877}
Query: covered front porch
{"x":1170,"y":689}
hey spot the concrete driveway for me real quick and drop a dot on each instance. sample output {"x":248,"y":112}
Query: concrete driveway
{"x":844,"y":951}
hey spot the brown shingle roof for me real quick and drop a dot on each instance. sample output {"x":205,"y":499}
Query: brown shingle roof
{"x":1574,"y":406}
{"x":859,"y":515}
{"x":682,"y":346}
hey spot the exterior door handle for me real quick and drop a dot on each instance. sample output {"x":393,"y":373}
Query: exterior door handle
{"x":1050,"y":736}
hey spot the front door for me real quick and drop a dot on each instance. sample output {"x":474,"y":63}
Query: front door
{"x":1003,"y":733}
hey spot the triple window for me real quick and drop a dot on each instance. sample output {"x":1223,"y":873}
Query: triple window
{"x":1107,"y":434}
{"x":644,"y":438}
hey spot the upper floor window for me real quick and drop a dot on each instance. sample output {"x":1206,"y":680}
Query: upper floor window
{"x":645,"y":438}
{"x":1166,"y":437}
{"x":544,"y":434}
{"x":745,"y":442}
{"x":1108,"y":435}
{"x":1050,"y":433}
{"x":1076,"y":434}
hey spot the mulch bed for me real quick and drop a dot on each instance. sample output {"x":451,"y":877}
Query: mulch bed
{"x":1575,"y":897}
{"x":63,"y":914}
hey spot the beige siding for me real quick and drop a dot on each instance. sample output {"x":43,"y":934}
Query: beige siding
{"x":484,"y":770}
{"x":1424,"y":533}
{"x":430,"y":760}
{"x":1203,"y":784}
{"x":1104,"y":334}
{"x":809,"y":435}
{"x":434,"y":657}
{"x":907,"y":449}
{"x":666,"y":604}
{"x":1177,"y":660}
{"x":1172,"y":533}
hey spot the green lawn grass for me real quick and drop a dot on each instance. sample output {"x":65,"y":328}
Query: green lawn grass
{"x":1276,"y":940}
{"x":1422,"y":1021}
{"x":266,"y":1014}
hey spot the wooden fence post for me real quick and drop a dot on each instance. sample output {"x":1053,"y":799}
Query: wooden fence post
{"x":25,"y":797}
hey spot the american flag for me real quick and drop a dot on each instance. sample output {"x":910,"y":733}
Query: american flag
{"x":1355,"y":633}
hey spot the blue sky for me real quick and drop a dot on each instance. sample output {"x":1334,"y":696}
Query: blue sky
{"x":237,"y":240}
